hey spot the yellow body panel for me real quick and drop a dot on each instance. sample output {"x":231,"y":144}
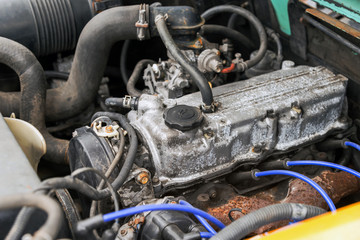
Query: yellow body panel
{"x":344,"y":224}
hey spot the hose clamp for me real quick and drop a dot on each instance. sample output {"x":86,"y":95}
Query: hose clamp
{"x":142,"y":24}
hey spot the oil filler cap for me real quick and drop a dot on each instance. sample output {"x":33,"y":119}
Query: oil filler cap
{"x":183,"y":117}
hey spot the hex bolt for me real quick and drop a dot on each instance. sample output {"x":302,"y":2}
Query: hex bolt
{"x":123,"y":232}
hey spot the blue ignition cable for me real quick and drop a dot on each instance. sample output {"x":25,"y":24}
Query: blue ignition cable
{"x":161,"y":207}
{"x":351,"y":144}
{"x":325,"y":164}
{"x":305,"y":179}
{"x":201,"y":219}
{"x":206,"y":235}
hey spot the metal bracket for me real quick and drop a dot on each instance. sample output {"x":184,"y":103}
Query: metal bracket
{"x":141,"y":25}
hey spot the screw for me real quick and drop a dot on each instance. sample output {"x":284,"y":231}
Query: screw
{"x":143,"y":178}
{"x":109,"y":129}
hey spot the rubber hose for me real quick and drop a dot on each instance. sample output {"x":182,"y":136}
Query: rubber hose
{"x":44,"y":26}
{"x":253,"y":20}
{"x":135,"y":76}
{"x":86,"y":189}
{"x":32,"y":95}
{"x":228,"y":33}
{"x":254,"y":220}
{"x":51,"y":227}
{"x":196,"y":75}
{"x":130,"y":157}
{"x":88,"y":67}
{"x":123,"y":58}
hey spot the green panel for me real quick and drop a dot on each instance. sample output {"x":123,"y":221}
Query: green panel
{"x":348,"y":8}
{"x":282,"y":14}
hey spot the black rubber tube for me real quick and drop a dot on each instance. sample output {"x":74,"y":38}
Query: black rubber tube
{"x":51,"y":227}
{"x":32,"y":95}
{"x":84,"y":188}
{"x":253,"y":20}
{"x":254,"y":220}
{"x":228,"y":33}
{"x":123,"y":61}
{"x":88,"y":67}
{"x":135,"y":76}
{"x":44,"y":26}
{"x":56,"y":75}
{"x":196,"y":75}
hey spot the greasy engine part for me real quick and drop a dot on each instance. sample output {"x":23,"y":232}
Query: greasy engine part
{"x":279,"y":111}
{"x":50,"y":26}
{"x":337,"y":184}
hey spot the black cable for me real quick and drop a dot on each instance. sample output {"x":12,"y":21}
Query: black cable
{"x":56,"y":75}
{"x":253,"y":20}
{"x":234,"y":210}
{"x":83,"y":187}
{"x":108,"y":184}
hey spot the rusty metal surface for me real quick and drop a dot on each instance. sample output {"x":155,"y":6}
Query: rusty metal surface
{"x":336,"y":184}
{"x":334,"y":22}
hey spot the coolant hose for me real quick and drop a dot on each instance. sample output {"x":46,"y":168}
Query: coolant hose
{"x":253,"y":20}
{"x":51,"y":227}
{"x":88,"y":67}
{"x":196,"y":75}
{"x":32,"y":96}
{"x":134,"y":78}
{"x":254,"y":220}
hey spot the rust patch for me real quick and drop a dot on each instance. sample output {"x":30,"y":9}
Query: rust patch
{"x":336,"y":184}
{"x":334,"y":22}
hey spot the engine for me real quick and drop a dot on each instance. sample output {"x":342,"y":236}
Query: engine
{"x":216,"y":114}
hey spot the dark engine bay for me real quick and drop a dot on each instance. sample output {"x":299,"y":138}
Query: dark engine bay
{"x":174,"y":119}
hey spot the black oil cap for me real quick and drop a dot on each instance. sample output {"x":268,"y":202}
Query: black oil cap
{"x":183,"y":117}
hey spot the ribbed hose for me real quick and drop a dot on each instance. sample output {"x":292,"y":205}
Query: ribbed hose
{"x":253,"y":20}
{"x":32,"y":95}
{"x":51,"y":227}
{"x":44,"y":26}
{"x":254,"y":220}
{"x":56,"y":25}
{"x":88,"y":67}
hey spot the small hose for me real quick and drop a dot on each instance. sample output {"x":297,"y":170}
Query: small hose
{"x":135,"y":76}
{"x":51,"y":227}
{"x":253,"y":20}
{"x":201,"y":220}
{"x":254,"y":220}
{"x":84,"y":188}
{"x":324,"y":164}
{"x":228,"y":33}
{"x":123,"y":58}
{"x":196,"y":75}
{"x":302,"y":177}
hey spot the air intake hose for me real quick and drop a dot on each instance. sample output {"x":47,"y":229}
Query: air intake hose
{"x":87,"y":70}
{"x":44,"y":26}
